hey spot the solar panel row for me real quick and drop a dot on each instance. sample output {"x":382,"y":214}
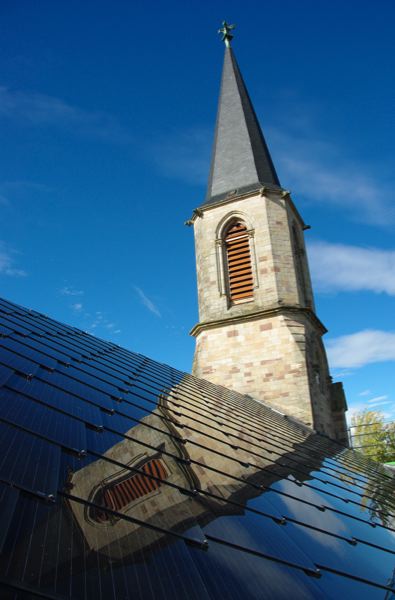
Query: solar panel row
{"x":121,"y":477}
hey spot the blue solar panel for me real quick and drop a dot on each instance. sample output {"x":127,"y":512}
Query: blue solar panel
{"x":121,"y":477}
{"x":8,"y":499}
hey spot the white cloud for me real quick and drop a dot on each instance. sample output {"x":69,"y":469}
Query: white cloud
{"x":41,"y":110}
{"x":377,"y":399}
{"x":388,"y":413}
{"x":100,"y":321}
{"x":319,"y":172}
{"x":354,"y":410}
{"x":77,"y":306}
{"x":314,"y":169}
{"x":342,"y":373}
{"x":339,"y":267}
{"x":361,"y":348}
{"x":70,"y":291}
{"x":364,"y":393}
{"x":7,"y":266}
{"x":382,"y":403}
{"x":147,"y":302}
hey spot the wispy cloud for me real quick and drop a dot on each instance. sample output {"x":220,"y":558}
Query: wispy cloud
{"x":380,"y":404}
{"x":77,"y":306}
{"x":41,"y":110}
{"x":315,"y":170}
{"x":7,"y":262}
{"x":378,"y":399}
{"x":354,"y":410}
{"x":70,"y":291}
{"x":184,"y":155}
{"x":361,"y":348}
{"x":9,"y":190}
{"x":147,"y":302}
{"x":342,"y":373}
{"x":387,"y":412}
{"x":321,"y":174}
{"x":92,"y":322}
{"x":101,"y":322}
{"x":340,"y":267}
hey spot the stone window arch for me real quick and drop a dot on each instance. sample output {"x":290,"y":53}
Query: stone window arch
{"x":235,"y":245}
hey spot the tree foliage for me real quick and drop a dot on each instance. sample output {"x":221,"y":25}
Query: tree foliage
{"x":372,"y":436}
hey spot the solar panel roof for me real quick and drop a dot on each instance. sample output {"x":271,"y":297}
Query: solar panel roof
{"x":121,"y":477}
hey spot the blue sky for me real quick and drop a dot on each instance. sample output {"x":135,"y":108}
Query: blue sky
{"x":107,"y":113}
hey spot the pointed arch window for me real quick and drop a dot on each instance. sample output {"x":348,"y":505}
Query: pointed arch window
{"x":238,"y":262}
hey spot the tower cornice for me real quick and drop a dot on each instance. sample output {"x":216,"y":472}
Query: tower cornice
{"x":259,"y":314}
{"x":264,"y":191}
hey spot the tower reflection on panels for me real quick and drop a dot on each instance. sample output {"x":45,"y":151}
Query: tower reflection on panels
{"x":124,"y":478}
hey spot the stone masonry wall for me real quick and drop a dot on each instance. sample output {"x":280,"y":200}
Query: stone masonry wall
{"x":272,"y":256}
{"x":259,"y":358}
{"x":269,"y":360}
{"x":268,"y":346}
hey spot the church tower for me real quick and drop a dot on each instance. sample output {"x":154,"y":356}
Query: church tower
{"x":258,"y":332}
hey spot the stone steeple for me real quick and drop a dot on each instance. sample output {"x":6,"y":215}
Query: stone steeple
{"x":240,"y":160}
{"x":258,"y":332}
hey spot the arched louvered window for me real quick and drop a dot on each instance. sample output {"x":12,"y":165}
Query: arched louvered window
{"x":238,"y":260}
{"x":120,"y":493}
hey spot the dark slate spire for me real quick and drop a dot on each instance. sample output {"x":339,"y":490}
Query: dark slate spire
{"x":240,"y":159}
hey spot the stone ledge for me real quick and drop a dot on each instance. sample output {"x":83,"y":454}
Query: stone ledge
{"x":253,"y":316}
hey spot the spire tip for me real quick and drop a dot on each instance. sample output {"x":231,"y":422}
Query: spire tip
{"x":226,"y":33}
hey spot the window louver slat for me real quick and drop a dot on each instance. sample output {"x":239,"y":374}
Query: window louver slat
{"x":241,"y":296}
{"x":240,"y":258}
{"x":121,"y":494}
{"x":241,"y":272}
{"x":241,"y":284}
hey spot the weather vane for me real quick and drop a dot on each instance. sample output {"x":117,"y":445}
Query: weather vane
{"x":226,"y":33}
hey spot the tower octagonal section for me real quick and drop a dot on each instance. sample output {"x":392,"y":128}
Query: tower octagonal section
{"x":268,"y":344}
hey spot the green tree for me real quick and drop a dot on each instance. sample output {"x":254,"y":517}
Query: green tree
{"x":372,"y":436}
